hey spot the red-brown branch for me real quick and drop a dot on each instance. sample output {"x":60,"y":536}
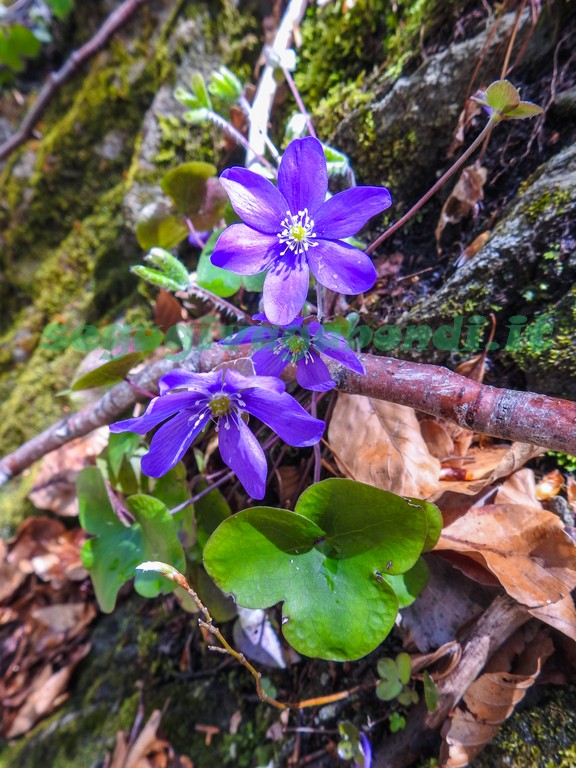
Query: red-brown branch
{"x":57,"y":79}
{"x":523,"y":416}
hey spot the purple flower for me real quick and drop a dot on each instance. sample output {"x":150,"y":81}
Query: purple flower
{"x":366,"y":752}
{"x":290,"y":230}
{"x":297,"y":344}
{"x":188,"y":401}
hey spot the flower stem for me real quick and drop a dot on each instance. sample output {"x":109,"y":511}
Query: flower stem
{"x":432,"y":191}
{"x":219,"y":121}
{"x":298,"y":100}
{"x":243,"y":101}
{"x":226,"y":647}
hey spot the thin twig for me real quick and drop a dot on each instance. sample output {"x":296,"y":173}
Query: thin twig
{"x":57,"y":79}
{"x":432,"y":191}
{"x":298,"y":100}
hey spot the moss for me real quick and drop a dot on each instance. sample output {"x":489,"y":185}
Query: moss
{"x":553,"y":352}
{"x":540,"y":736}
{"x":551,"y":200}
{"x":82,"y":154}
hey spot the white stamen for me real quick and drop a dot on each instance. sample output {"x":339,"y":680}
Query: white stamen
{"x":297,"y":232}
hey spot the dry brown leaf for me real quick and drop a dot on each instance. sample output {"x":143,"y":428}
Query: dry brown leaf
{"x":55,"y":482}
{"x":437,"y":439}
{"x":443,"y":660}
{"x":475,"y":247}
{"x":464,"y":199}
{"x":489,"y":701}
{"x":519,"y":488}
{"x":47,"y":693}
{"x":486,"y":465}
{"x":571,"y":492}
{"x":549,"y":486}
{"x":528,"y":551}
{"x":381,"y":444}
{"x":469,"y":112}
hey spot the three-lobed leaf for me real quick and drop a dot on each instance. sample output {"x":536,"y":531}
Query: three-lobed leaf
{"x":327,"y":562}
{"x":114,"y":552}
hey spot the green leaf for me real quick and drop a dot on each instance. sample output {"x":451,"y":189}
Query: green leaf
{"x":397,"y":722}
{"x":60,"y":8}
{"x":225,"y":85}
{"x":324,"y":561}
{"x":196,"y":193}
{"x":155,"y":277}
{"x":157,"y":226}
{"x":24,"y":41}
{"x":390,"y":684}
{"x":196,"y":116}
{"x":254,"y":282}
{"x":112,"y":556}
{"x":115,"y":552}
{"x":110,"y":373}
{"x":120,"y":445}
{"x":159,"y":542}
{"x":404,"y":667}
{"x":502,"y":96}
{"x":407,"y":696}
{"x":409,"y":585}
{"x":170,"y":266}
{"x":431,"y":694}
{"x":200,"y":90}
{"x":523,"y":110}
{"x":435,"y":523}
{"x":222,"y":282}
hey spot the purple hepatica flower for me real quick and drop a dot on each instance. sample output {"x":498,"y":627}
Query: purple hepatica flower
{"x":188,"y":401}
{"x":290,"y":230}
{"x":297,"y":344}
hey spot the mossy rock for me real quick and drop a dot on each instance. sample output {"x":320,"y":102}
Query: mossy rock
{"x":528,"y":269}
{"x":541,"y":734}
{"x":126,"y":667}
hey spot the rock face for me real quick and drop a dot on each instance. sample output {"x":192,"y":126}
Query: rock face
{"x":527,"y":269}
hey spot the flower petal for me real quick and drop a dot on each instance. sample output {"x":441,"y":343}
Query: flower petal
{"x":255,"y":199}
{"x":180,"y":378}
{"x":312,"y":373}
{"x":341,"y":267}
{"x":302,"y":176}
{"x":335,"y":346}
{"x":256,"y":334}
{"x":346,"y":213}
{"x":240,"y":383}
{"x":172,"y":441}
{"x":242,"y":452}
{"x":160,"y":409}
{"x":285,"y":290}
{"x":244,"y":250}
{"x":285,"y":416}
{"x":268,"y":363}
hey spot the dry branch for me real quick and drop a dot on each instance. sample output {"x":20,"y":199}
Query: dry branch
{"x":502,"y":413}
{"x":57,"y":79}
{"x":493,"y":628}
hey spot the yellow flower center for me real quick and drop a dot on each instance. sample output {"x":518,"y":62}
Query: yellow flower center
{"x":298,"y":232}
{"x":220,"y":405}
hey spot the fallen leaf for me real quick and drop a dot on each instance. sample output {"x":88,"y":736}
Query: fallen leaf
{"x":55,"y":482}
{"x":549,"y":486}
{"x":528,"y":551}
{"x":464,"y":199}
{"x":47,"y":692}
{"x":489,"y":701}
{"x":474,"y":248}
{"x":381,"y":444}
